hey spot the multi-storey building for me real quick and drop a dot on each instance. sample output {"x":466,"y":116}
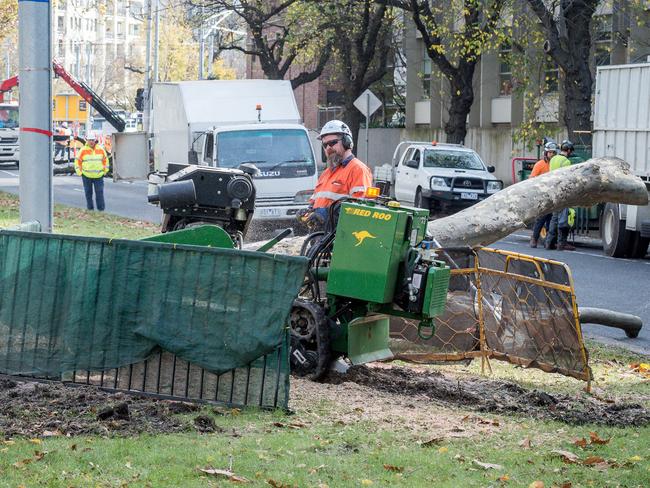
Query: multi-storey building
{"x":619,"y":36}
{"x":97,"y":40}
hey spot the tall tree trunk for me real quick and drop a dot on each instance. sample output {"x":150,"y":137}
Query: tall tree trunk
{"x":579,"y":82}
{"x":462,"y":98}
{"x":569,"y":42}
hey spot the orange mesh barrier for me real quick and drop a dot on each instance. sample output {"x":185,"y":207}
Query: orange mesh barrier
{"x":506,"y":306}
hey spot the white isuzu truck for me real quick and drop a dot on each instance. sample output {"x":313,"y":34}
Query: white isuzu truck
{"x":226,"y":123}
{"x":622,"y":129}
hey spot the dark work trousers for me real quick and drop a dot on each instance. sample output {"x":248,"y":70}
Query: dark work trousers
{"x":540,"y":223}
{"x":98,"y":185}
{"x":556,"y":233}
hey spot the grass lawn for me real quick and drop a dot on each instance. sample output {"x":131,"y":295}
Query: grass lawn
{"x":75,"y":221}
{"x":329,"y":441}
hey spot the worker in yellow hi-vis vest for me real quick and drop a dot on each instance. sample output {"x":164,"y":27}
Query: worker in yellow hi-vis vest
{"x":92,"y":164}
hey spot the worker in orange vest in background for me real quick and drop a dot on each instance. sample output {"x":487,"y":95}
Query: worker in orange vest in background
{"x":542,"y":166}
{"x":346,"y":176}
{"x":92,"y":165}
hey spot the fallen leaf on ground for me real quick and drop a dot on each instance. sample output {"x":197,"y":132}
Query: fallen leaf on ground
{"x":486,"y":465}
{"x":22,"y":464}
{"x":591,"y":460}
{"x":536,"y":484}
{"x":635,"y":459}
{"x":525,"y":443}
{"x":277,"y":484}
{"x":504,"y":478}
{"x":581,"y":442}
{"x":597,"y":440}
{"x":366,"y":482}
{"x":443,"y":450}
{"x":566,"y":484}
{"x":567,"y":456}
{"x":36,"y":441}
{"x":225,"y":473}
{"x":394,"y":469}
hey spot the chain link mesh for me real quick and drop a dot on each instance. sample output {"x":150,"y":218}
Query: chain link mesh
{"x":502,"y":305}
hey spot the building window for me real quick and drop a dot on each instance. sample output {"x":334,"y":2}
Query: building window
{"x":551,"y":74}
{"x":60,"y":23}
{"x":60,"y":48}
{"x":426,"y":73}
{"x":505,"y":71}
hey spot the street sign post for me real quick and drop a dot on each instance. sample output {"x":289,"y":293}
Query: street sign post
{"x":367,"y":104}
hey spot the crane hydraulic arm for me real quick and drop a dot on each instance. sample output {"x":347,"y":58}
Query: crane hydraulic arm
{"x":82,"y":89}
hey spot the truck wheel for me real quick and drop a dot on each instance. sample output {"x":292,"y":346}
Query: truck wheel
{"x":420,"y":201}
{"x":638,"y":245}
{"x":612,"y":229}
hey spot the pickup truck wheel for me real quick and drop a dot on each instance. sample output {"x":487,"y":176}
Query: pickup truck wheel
{"x":612,"y":229}
{"x":420,"y":201}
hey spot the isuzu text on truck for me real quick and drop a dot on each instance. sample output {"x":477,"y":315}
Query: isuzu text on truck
{"x":224,"y":123}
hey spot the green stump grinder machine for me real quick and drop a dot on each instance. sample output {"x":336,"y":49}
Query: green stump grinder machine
{"x":377,"y":262}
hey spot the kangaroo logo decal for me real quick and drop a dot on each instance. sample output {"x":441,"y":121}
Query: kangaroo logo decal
{"x":361,"y":236}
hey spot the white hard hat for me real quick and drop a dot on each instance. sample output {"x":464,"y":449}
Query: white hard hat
{"x":550,"y":146}
{"x":91,"y":135}
{"x":335,"y":127}
{"x":64,"y":125}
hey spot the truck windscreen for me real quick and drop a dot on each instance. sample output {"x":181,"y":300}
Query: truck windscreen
{"x":438,"y":158}
{"x":8,"y":117}
{"x":277,"y":153}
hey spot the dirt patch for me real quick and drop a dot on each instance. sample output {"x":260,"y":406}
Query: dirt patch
{"x":493,"y":396}
{"x":427,"y":404}
{"x":29,"y":409}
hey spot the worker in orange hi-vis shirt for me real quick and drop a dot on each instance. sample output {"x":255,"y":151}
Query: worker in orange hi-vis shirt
{"x":345,"y":177}
{"x":542,"y":166}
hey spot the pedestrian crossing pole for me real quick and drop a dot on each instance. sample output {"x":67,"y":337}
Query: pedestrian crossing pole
{"x":35,"y":116}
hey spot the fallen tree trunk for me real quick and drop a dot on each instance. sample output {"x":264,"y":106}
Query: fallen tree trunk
{"x":581,"y":185}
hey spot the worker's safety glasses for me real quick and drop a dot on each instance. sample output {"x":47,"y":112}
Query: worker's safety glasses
{"x":331,"y":143}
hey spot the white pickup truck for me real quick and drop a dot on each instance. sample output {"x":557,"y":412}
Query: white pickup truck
{"x":439,"y":176}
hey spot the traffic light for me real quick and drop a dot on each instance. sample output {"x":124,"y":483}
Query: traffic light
{"x":139,"y":99}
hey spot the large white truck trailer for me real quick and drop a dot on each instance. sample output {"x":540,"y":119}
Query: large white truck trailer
{"x":622,"y":129}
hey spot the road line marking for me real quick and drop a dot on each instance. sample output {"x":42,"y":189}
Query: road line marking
{"x":13,"y":175}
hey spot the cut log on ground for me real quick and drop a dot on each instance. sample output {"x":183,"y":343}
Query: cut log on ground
{"x":581,"y":185}
{"x":631,"y":324}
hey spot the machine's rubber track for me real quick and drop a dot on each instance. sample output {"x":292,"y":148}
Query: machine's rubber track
{"x":310,"y":340}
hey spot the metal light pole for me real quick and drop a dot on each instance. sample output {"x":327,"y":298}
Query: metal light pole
{"x":210,"y":53}
{"x":147,"y":72}
{"x":35,"y":117}
{"x":201,"y":44}
{"x":155,"y":41}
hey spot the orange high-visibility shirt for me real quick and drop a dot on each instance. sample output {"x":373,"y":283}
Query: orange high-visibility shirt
{"x":350,"y":179}
{"x":540,"y":168}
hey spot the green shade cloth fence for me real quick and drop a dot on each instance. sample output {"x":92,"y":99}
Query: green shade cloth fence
{"x":75,"y":303}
